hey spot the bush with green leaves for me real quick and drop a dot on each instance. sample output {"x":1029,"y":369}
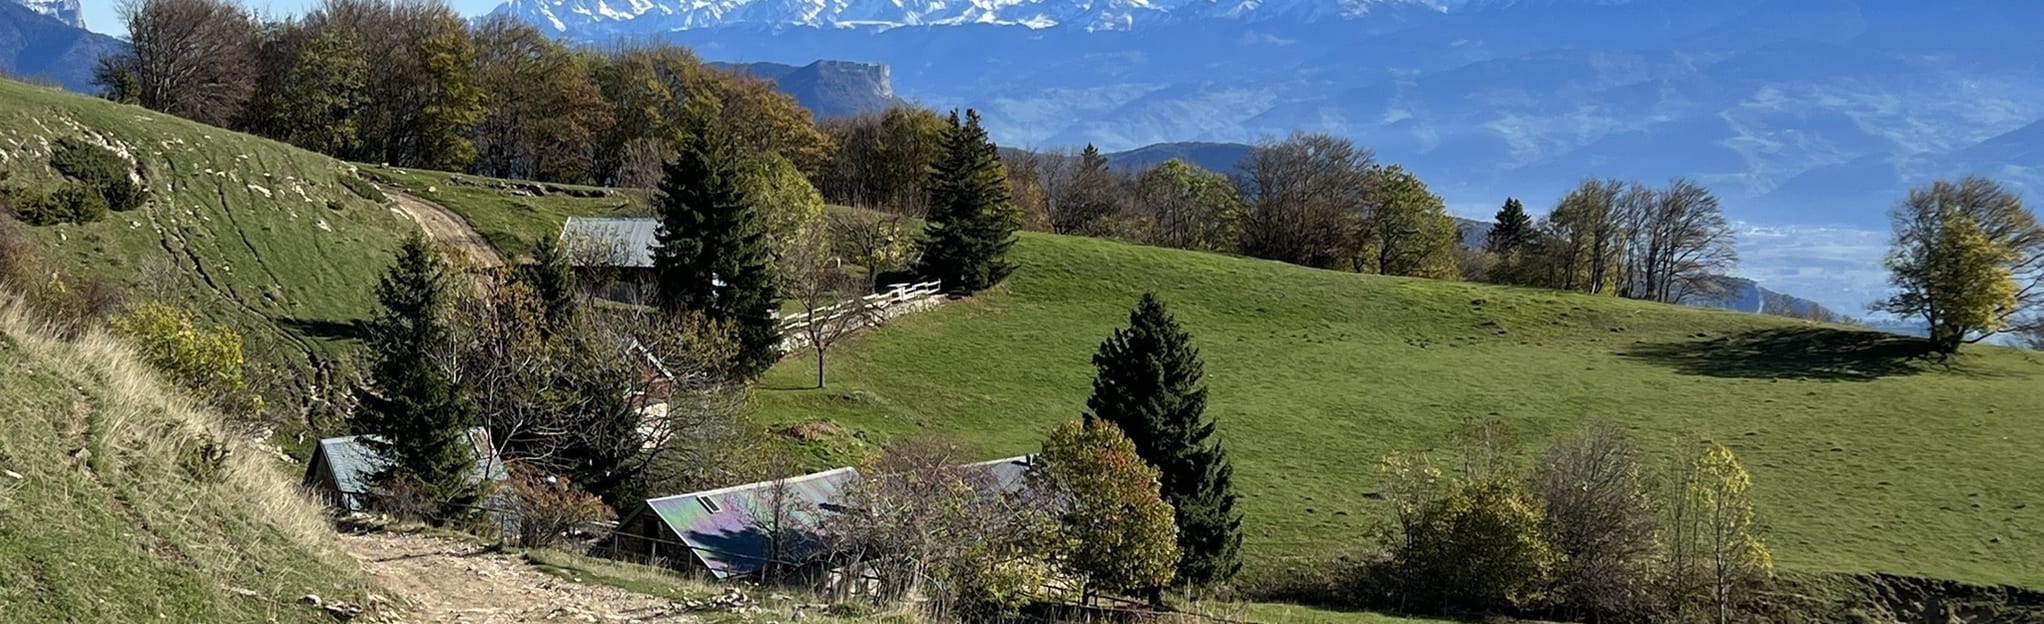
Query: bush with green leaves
{"x":70,"y":203}
{"x":100,"y":169}
{"x":1470,"y":543}
{"x":206,"y":361}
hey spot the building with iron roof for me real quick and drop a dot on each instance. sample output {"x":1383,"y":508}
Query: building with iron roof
{"x":343,"y":469}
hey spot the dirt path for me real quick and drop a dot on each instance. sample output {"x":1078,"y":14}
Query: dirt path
{"x":447,"y":228}
{"x":450,"y":582}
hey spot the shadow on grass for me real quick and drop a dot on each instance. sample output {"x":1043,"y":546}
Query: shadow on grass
{"x":1791,"y":353}
{"x":325,"y":329}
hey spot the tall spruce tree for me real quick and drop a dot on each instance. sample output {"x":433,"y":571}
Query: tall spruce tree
{"x":711,"y":252}
{"x":1511,"y":231}
{"x":972,"y":220}
{"x":418,"y":413}
{"x":552,"y":280}
{"x":1150,"y":384}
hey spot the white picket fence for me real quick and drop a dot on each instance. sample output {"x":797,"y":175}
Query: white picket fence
{"x":874,"y":309}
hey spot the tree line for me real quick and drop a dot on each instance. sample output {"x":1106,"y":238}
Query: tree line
{"x":1322,"y":201}
{"x":1670,"y":244}
{"x":413,"y":84}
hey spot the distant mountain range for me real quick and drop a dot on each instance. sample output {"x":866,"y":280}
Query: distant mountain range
{"x":1795,"y":111}
{"x":46,"y":40}
{"x":828,"y":88}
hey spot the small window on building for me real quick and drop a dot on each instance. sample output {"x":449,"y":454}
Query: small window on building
{"x":709,"y":504}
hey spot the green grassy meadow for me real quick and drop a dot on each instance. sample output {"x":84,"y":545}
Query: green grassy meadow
{"x":1864,"y":458}
{"x":248,"y":232}
{"x":511,"y":221}
{"x":111,"y":510}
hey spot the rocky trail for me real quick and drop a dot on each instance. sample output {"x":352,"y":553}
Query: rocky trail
{"x":439,"y":581}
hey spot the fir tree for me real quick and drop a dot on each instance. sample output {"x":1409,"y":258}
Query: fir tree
{"x":417,"y":412}
{"x":972,"y":222}
{"x":1512,"y":231}
{"x":1150,"y":385}
{"x":552,"y":280}
{"x":711,"y":254}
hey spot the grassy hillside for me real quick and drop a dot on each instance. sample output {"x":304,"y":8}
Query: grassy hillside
{"x":112,"y":511}
{"x":1863,"y":458}
{"x":511,"y":215}
{"x":247,"y":231}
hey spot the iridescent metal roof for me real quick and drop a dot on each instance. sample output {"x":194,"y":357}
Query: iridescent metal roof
{"x":729,"y":529}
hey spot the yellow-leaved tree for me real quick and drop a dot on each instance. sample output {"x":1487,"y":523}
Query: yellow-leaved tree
{"x":1716,"y":561}
{"x":1967,"y":260}
{"x":1969,"y":277}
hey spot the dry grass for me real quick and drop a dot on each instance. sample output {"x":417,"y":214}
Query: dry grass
{"x":126,"y":509}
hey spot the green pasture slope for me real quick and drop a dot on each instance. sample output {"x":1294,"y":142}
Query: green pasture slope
{"x":1864,"y":459}
{"x":512,"y":215}
{"x":112,"y":508}
{"x":247,"y":231}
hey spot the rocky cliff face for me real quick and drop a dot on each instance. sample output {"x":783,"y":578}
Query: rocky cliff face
{"x":65,"y":11}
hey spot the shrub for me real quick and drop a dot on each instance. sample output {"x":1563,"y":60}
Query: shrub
{"x":100,"y":169}
{"x":206,"y":361}
{"x":86,"y":204}
{"x":1472,"y":543}
{"x":71,"y":203}
{"x":549,"y":508}
{"x":72,"y":306}
{"x":80,"y":159}
{"x":1601,"y":519}
{"x":363,"y":189}
{"x":122,"y":195}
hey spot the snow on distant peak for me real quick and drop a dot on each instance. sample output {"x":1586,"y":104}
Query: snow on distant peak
{"x":565,"y":16}
{"x":65,"y":11}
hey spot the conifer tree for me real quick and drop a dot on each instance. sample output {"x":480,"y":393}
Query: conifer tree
{"x":1511,"y":231}
{"x":552,"y":280}
{"x":417,"y":412}
{"x":1150,"y":385}
{"x":972,"y":220}
{"x":711,"y":253}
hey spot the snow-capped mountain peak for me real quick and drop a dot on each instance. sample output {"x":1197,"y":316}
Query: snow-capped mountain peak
{"x":569,"y":17}
{"x":65,"y":11}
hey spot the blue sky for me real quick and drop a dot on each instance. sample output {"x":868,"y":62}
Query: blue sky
{"x":102,"y":16}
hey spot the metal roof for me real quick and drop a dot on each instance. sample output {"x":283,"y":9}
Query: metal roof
{"x":1006,"y":475}
{"x":630,"y":238}
{"x":351,"y":465}
{"x":726,"y":534}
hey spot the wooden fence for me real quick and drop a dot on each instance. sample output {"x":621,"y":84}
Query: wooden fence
{"x":871,"y":309}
